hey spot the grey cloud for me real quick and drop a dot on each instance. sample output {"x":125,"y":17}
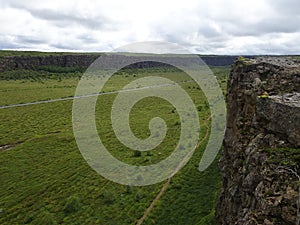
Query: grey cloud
{"x":270,"y":25}
{"x":19,"y":41}
{"x":179,"y":39}
{"x":7,"y":43}
{"x":63,"y":19}
{"x":289,"y":7}
{"x":87,"y":39}
{"x":208,"y":32}
{"x":29,"y":40}
{"x":153,"y":47}
{"x":64,"y":46}
{"x":194,"y":30}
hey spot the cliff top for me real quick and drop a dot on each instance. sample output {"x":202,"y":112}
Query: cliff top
{"x":282,"y":61}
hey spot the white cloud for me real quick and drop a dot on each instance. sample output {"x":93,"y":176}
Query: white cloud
{"x":215,"y":26}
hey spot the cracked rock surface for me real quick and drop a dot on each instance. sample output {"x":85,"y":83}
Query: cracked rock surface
{"x":261,"y":157}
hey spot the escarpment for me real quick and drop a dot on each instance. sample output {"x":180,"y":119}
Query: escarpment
{"x":84,"y":60}
{"x":261,"y":156}
{"x":34,"y":62}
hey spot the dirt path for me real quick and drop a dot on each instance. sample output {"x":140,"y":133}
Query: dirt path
{"x":165,"y":186}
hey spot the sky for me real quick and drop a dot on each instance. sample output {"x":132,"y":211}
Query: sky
{"x":227,"y":27}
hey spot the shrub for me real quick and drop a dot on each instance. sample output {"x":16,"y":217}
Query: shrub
{"x":108,"y":198}
{"x":177,"y":123}
{"x":139,"y":196}
{"x":72,"y":205}
{"x":128,"y":189}
{"x":137,"y":153}
{"x":199,"y":108}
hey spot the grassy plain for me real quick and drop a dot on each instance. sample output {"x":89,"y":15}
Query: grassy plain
{"x":45,"y":180}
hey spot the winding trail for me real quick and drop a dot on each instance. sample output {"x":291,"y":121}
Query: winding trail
{"x":165,"y":186}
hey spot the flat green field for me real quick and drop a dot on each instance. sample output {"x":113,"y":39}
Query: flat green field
{"x":45,"y":180}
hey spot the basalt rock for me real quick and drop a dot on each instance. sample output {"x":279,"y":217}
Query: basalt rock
{"x":84,"y":60}
{"x":34,"y":62}
{"x":261,"y":157}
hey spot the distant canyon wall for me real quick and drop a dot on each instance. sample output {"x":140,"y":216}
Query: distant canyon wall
{"x":84,"y":60}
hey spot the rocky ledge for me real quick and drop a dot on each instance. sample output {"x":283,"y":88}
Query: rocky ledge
{"x":261,"y":156}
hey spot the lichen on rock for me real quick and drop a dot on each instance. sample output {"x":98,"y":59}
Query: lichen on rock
{"x":261,"y":157}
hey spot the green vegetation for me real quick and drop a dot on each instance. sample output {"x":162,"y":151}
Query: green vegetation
{"x":284,"y":156}
{"x":296,"y":57}
{"x":45,"y":219}
{"x":45,"y":180}
{"x":244,"y":60}
{"x":241,"y":58}
{"x":72,"y":205}
{"x":21,"y":91}
{"x":42,"y":73}
{"x":264,"y":95}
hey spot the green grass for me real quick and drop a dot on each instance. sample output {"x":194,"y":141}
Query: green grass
{"x":42,"y":73}
{"x":45,"y":180}
{"x":30,"y":86}
{"x":22,"y":91}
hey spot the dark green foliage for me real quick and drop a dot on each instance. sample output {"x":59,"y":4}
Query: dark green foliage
{"x":139,"y":196}
{"x":206,"y":104}
{"x":45,"y":219}
{"x":284,"y":156}
{"x":108,"y":197}
{"x":177,"y":123}
{"x":208,"y":219}
{"x":72,"y":205}
{"x":137,"y":153}
{"x":60,"y":69}
{"x":38,"y":75}
{"x":128,"y":190}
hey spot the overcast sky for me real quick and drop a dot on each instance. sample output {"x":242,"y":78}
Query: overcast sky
{"x":204,"y":27}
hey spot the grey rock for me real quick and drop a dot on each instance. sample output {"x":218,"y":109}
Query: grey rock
{"x":259,"y":188}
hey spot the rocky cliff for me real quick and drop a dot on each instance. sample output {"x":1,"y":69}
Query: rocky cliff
{"x":261,"y":156}
{"x":84,"y":60}
{"x":33,"y":62}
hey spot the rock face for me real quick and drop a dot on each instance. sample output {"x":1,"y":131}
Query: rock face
{"x":84,"y":60}
{"x":261,"y":157}
{"x":32,"y":62}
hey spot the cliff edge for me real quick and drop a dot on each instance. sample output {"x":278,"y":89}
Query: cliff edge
{"x":261,"y":156}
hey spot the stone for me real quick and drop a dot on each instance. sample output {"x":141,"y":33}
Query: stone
{"x":256,"y":191}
